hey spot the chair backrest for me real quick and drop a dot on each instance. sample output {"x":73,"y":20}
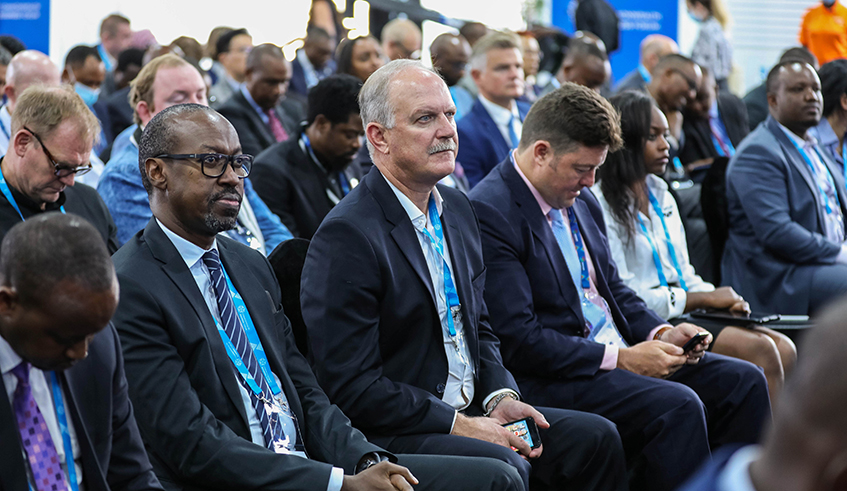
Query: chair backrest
{"x":287,"y":262}
{"x":713,"y":202}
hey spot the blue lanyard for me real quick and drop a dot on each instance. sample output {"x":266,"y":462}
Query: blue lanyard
{"x":580,"y":249}
{"x":828,"y":177}
{"x":61,"y":416}
{"x":252,"y":337}
{"x":844,"y":156}
{"x":671,"y":249}
{"x":342,"y":179}
{"x":450,"y":292}
{"x":4,"y":188}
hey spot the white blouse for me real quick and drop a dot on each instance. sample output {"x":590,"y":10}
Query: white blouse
{"x":634,"y":257}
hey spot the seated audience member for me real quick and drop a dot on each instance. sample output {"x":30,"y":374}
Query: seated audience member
{"x":757,"y":99}
{"x":407,"y":328}
{"x":714,"y":123}
{"x":472,"y":32}
{"x":217,"y":71}
{"x":712,"y":48}
{"x":5,"y":59}
{"x":253,"y":110}
{"x":833,"y":125}
{"x":401,"y":40}
{"x":531,"y":51}
{"x":585,"y":63}
{"x":65,"y":416}
{"x":52,"y":134}
{"x":250,"y":414}
{"x":571,"y":331}
{"x":649,"y":246}
{"x":313,"y":62}
{"x":675,"y":80}
{"x":232,"y":49}
{"x":599,"y":18}
{"x":187,"y":47}
{"x":785,"y":196}
{"x":12,"y":44}
{"x":85,"y":71}
{"x":303,"y":178}
{"x":450,"y":54}
{"x":493,"y":125}
{"x":27,"y":68}
{"x":166,"y":81}
{"x":114,"y":109}
{"x":653,"y":48}
{"x":115,"y":36}
{"x":800,"y":450}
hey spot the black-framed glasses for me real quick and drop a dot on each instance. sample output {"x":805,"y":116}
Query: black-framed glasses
{"x":60,"y":170}
{"x":692,"y":85}
{"x":214,"y":164}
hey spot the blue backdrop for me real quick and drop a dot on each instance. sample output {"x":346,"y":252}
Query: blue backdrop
{"x":638,"y":19}
{"x":27,"y":20}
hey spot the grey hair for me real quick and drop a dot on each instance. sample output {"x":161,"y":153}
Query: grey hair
{"x":491,"y":41}
{"x":374,"y":102}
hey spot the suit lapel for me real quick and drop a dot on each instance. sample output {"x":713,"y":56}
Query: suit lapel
{"x":837,"y":177}
{"x":461,"y":272}
{"x":174,"y":267}
{"x":264,"y":129}
{"x":12,"y":470}
{"x":490,"y":127}
{"x":544,"y":233}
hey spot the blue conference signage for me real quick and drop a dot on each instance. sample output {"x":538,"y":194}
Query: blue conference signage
{"x":27,"y":20}
{"x":638,"y":19}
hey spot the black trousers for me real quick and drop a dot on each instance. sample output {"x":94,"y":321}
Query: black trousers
{"x":668,"y":427}
{"x":581,"y":452}
{"x":442,"y":472}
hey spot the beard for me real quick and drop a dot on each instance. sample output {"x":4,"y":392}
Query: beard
{"x":221,"y":222}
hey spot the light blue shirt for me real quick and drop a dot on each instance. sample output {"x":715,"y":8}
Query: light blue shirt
{"x":736,"y":473}
{"x":261,"y":112}
{"x":503,"y":117}
{"x":193,"y":257}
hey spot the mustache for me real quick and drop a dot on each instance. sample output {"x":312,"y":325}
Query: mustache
{"x":228,"y":193}
{"x":442,"y":146}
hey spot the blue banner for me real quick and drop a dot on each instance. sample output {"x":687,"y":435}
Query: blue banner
{"x":27,"y":20}
{"x":638,"y":19}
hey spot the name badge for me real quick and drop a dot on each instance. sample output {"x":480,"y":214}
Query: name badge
{"x":601,"y":329}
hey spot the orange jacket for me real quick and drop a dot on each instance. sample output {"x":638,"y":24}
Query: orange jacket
{"x":824,"y":32}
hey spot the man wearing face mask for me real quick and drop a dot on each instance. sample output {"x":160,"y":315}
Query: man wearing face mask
{"x":86,"y":71}
{"x":824,"y":31}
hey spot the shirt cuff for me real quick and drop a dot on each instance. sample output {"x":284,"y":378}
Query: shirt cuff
{"x":655,"y":330}
{"x":336,"y":479}
{"x":455,"y":415}
{"x":842,"y":256}
{"x":610,"y":358}
{"x":497,"y":393}
{"x":677,"y":305}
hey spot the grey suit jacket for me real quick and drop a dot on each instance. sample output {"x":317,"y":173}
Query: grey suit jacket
{"x":777,"y":236}
{"x":190,"y":411}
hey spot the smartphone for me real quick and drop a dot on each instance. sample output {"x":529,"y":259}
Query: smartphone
{"x":527,"y":430}
{"x":694,"y":341}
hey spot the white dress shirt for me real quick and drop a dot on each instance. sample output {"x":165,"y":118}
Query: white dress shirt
{"x":193,"y":257}
{"x":634,"y":257}
{"x":43,"y":395}
{"x":5,"y":128}
{"x":502,"y":117}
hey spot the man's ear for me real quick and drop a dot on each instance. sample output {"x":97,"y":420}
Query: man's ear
{"x":156,"y":174}
{"x":322,"y":124}
{"x":9,"y":301}
{"x":542,"y":153}
{"x":20,"y":140}
{"x":377,"y":135}
{"x":144,"y":111}
{"x":842,"y":100}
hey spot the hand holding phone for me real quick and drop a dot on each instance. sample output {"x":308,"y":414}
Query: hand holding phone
{"x":525,"y":429}
{"x":694,"y":341}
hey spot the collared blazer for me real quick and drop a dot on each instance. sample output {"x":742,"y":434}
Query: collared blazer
{"x":185,"y":388}
{"x":253,"y":133}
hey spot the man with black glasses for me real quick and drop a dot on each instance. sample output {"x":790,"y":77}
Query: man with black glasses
{"x":52,"y":133}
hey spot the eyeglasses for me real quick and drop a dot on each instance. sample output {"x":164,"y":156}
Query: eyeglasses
{"x":214,"y":164}
{"x":60,"y":170}
{"x":692,"y":85}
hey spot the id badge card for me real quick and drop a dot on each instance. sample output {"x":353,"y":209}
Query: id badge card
{"x":601,"y":329}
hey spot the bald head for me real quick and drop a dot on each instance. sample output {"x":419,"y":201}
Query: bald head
{"x":29,"y":68}
{"x":401,"y":39}
{"x":655,"y":47}
{"x":450,"y":55}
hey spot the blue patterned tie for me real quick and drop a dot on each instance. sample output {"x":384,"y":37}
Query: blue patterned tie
{"x":271,"y":425}
{"x":568,"y":250}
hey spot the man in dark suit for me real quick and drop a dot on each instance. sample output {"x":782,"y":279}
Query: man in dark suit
{"x":493,"y":125}
{"x":52,"y":135}
{"x":65,"y":417}
{"x":407,"y":328}
{"x":253,"y":109}
{"x":653,"y":48}
{"x":313,"y":61}
{"x":572,"y":333}
{"x":786,"y":201}
{"x":229,"y":403}
{"x":798,"y":452}
{"x":303,"y":178}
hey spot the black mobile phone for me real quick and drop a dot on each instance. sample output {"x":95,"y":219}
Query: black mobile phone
{"x":527,"y":430}
{"x":694,"y":341}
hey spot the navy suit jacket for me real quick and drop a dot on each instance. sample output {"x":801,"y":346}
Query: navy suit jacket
{"x":534,"y":305}
{"x":112,"y":454}
{"x":253,"y":133}
{"x":377,"y":341}
{"x":480,"y":142}
{"x":298,"y":77}
{"x":776,"y":225}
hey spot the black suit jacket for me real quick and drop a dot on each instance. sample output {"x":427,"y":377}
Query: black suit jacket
{"x":253,"y":133}
{"x":698,"y":134}
{"x":535,"y":306}
{"x":294,"y":187}
{"x":112,"y":454}
{"x":757,"y":105}
{"x":191,"y":413}
{"x":369,"y":305}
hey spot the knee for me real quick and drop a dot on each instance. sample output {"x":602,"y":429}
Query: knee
{"x":787,"y":352}
{"x":504,"y":477}
{"x":763,"y":351}
{"x":597,"y":436}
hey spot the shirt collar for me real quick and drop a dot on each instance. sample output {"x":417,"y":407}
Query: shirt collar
{"x":499,"y":114}
{"x":418,"y":218}
{"x":542,"y":203}
{"x":826,"y":135}
{"x":736,"y":473}
{"x":8,"y":358}
{"x":190,"y":253}
{"x":801,"y":142}
{"x":252,"y":103}
{"x":304,"y":60}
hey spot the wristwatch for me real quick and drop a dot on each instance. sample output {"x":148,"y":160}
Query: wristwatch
{"x":369,"y":460}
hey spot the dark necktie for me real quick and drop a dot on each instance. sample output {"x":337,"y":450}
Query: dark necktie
{"x":43,"y":459}
{"x":280,"y":135}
